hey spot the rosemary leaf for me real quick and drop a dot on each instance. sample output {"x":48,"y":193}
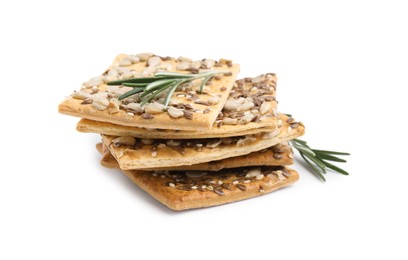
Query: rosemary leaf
{"x":335,"y":168}
{"x":330,"y":157}
{"x":170,"y":94}
{"x":130,"y":93}
{"x":173,"y":75}
{"x":317,"y":162}
{"x":133,"y":85}
{"x":330,"y":152}
{"x":153,"y":94}
{"x":132,"y":80}
{"x":203,"y":82}
{"x":317,"y":159}
{"x":316,"y":171}
{"x":159,"y":83}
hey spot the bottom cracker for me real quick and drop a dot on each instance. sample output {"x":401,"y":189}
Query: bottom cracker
{"x":181,"y":190}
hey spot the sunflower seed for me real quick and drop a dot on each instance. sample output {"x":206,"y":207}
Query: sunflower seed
{"x":259,"y":176}
{"x":124,"y":140}
{"x":147,"y":141}
{"x":125,"y":62}
{"x":195,"y":65}
{"x":80,"y":95}
{"x":246,"y":106}
{"x":230,"y":121}
{"x":245,"y":141}
{"x":154,"y":61}
{"x":173,"y":143}
{"x":277,"y":156}
{"x":231,"y":104}
{"x":183,"y":65}
{"x":270,"y":135}
{"x":135,"y":107}
{"x":208,"y":63}
{"x":133,"y":58}
{"x":181,"y":58}
{"x":246,"y":119}
{"x":214,"y":100}
{"x":213,"y":144}
{"x":280,"y":175}
{"x":147,"y":116}
{"x":113,"y":106}
{"x":265,"y":108}
{"x":175,"y":112}
{"x":253,"y":173}
{"x":154,"y":108}
{"x":94,"y":82}
{"x":144,"y":56}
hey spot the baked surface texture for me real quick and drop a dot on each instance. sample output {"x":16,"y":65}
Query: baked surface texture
{"x":132,"y":153}
{"x":277,"y":155}
{"x":98,"y":101}
{"x":250,"y":109}
{"x":189,"y":190}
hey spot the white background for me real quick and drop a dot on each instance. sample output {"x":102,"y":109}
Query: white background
{"x":342,"y":70}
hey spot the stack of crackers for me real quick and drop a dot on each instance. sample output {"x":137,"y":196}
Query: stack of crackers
{"x":224,"y":144}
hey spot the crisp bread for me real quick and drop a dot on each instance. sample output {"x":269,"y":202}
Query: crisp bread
{"x":97,"y":101}
{"x":132,"y":153}
{"x":277,"y":155}
{"x":183,"y":190}
{"x":261,"y":117}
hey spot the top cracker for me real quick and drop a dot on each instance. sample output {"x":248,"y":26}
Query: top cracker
{"x":188,"y":108}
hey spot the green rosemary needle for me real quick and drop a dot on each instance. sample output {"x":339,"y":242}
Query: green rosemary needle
{"x":317,"y":159}
{"x":149,"y":87}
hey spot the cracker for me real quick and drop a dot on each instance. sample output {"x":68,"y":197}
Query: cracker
{"x":188,"y":190}
{"x":101,"y":102}
{"x":277,"y":155}
{"x":260,"y":118}
{"x":132,"y":153}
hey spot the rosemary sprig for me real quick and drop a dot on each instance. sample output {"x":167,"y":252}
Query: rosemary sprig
{"x":317,"y":159}
{"x":149,"y":87}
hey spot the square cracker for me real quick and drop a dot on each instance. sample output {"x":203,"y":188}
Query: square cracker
{"x":101,"y":103}
{"x":261,"y":117}
{"x":188,"y":190}
{"x":132,"y":153}
{"x":277,"y":155}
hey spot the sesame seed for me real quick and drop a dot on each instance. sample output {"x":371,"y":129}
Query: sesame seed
{"x":154,"y":153}
{"x":172,"y":185}
{"x":235,"y":182}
